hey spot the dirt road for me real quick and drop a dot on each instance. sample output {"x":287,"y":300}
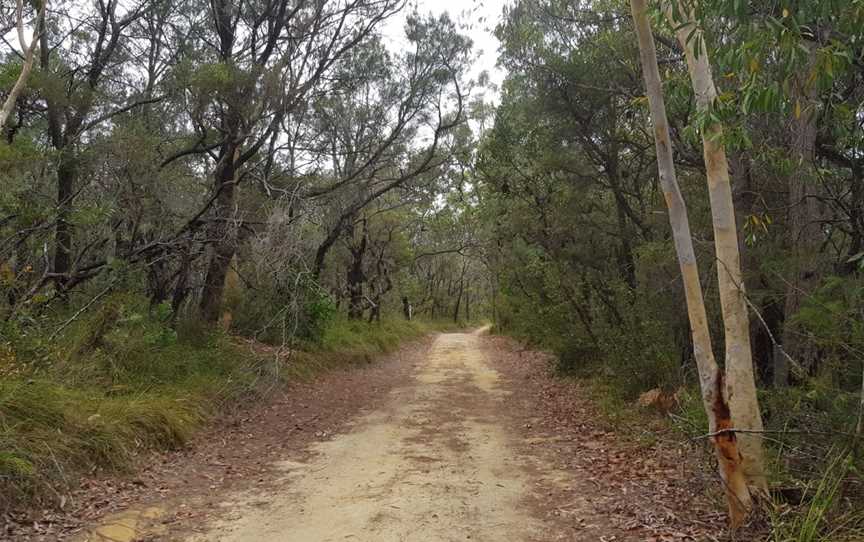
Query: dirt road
{"x":465,"y":438}
{"x":435,"y":463}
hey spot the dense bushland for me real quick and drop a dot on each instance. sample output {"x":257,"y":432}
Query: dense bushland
{"x":188,"y":185}
{"x":122,"y":381}
{"x":579,"y":238}
{"x":202,"y":199}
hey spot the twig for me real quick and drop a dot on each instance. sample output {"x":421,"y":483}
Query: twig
{"x":795,"y":364}
{"x":80,"y":311}
{"x":769,"y":431}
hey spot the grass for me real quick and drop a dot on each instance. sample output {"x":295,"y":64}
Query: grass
{"x":123,"y":382}
{"x":98,"y":411}
{"x":360,"y":337}
{"x":823,"y":517}
{"x":830,"y":510}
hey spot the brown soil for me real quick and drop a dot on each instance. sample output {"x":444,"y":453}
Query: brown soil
{"x":649,"y":493}
{"x":463,"y":438}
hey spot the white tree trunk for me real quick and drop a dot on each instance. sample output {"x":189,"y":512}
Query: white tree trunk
{"x":710,"y":375}
{"x":29,"y":57}
{"x":740,"y":378}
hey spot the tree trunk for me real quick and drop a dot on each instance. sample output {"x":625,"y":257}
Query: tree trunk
{"x":743,"y":201}
{"x":355,"y":275}
{"x":458,"y":303}
{"x":375,"y":310}
{"x":29,"y":58}
{"x":406,"y":308}
{"x":856,"y":218}
{"x":181,"y":287}
{"x":220,"y":233}
{"x":805,"y":215}
{"x":859,"y":427}
{"x":461,"y":291}
{"x":710,"y":376}
{"x":740,"y":378}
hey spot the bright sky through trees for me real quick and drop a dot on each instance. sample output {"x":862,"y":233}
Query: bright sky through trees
{"x":476,"y":18}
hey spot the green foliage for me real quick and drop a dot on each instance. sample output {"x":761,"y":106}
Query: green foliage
{"x":122,"y":380}
{"x":276,"y":313}
{"x":320,"y":313}
{"x":832,"y":317}
{"x":823,"y":517}
{"x":358,"y":336}
{"x":51,"y":432}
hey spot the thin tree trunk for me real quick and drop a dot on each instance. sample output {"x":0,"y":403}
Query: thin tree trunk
{"x":67,"y":172}
{"x":740,"y":378}
{"x":355,"y":275}
{"x":181,"y":287}
{"x":494,"y":285}
{"x":456,"y":310}
{"x":461,"y":291}
{"x":29,"y":58}
{"x":710,"y":375}
{"x":856,"y":217}
{"x":859,"y":428}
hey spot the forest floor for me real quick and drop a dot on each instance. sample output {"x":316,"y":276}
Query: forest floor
{"x":458,"y":437}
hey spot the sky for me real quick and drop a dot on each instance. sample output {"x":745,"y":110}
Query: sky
{"x":477,"y":19}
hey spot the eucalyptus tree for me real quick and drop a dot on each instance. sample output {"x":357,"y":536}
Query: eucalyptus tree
{"x":740,"y":380}
{"x":791,"y":97}
{"x":89,"y":120}
{"x":394,"y":128}
{"x":591,"y":102}
{"x":256,"y":64}
{"x":28,"y":55}
{"x":83,"y":61}
{"x":714,"y":393}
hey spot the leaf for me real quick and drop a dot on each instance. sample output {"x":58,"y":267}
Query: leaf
{"x":754,"y":65}
{"x":797,"y":109}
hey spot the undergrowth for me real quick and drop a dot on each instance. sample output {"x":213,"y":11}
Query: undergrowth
{"x":814,"y":465}
{"x":817,"y":483}
{"x":123,"y":380}
{"x":383,"y":336}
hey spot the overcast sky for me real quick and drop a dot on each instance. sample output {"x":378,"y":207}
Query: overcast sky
{"x":477,"y":18}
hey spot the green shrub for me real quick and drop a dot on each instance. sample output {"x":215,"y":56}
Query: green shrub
{"x":320,"y":313}
{"x":120,"y":380}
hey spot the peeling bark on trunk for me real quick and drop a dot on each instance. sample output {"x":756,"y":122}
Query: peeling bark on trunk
{"x":710,"y":376}
{"x":740,"y":378}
